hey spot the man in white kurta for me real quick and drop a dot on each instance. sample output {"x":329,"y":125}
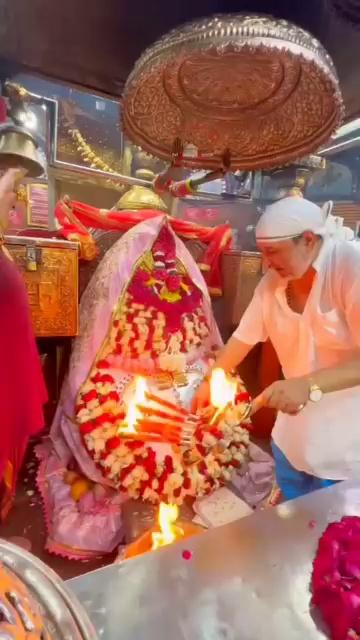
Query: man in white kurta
{"x":308,"y":305}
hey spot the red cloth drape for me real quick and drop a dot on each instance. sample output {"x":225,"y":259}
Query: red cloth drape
{"x":22,"y":388}
{"x":76,"y":218}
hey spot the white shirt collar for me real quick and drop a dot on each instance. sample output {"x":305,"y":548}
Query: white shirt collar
{"x":321,"y":257}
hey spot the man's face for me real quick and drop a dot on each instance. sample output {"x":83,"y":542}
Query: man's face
{"x":289,"y":258}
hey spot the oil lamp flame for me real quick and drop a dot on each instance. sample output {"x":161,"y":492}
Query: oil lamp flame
{"x":133,"y":413}
{"x":169,"y":532}
{"x":222,"y":389}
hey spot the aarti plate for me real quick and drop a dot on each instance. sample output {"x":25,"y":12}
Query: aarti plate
{"x":263,"y":89}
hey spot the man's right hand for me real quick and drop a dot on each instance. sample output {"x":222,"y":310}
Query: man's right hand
{"x":201,"y":398}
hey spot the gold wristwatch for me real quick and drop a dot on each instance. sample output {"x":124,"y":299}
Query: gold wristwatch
{"x":315,"y":393}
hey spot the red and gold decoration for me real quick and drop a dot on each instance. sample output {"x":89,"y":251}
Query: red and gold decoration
{"x":76,"y":218}
{"x":263,"y":89}
{"x":50,"y":272}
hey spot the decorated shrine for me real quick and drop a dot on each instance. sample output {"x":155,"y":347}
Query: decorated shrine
{"x":133,"y":230}
{"x":124,"y":427}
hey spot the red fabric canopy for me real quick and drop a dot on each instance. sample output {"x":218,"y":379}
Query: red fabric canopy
{"x":76,"y":218}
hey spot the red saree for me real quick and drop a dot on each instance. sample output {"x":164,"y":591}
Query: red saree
{"x":22,"y":388}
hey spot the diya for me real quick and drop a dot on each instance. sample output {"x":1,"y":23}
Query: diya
{"x":262,"y":90}
{"x":168,"y":530}
{"x":165,"y":421}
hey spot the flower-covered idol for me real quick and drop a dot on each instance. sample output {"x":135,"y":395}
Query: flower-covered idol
{"x":123,"y":428}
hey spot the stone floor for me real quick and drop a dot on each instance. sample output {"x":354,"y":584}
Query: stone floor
{"x":25,"y":526}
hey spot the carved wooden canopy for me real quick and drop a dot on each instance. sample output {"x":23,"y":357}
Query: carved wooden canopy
{"x":262,"y":89}
{"x":95,"y":44}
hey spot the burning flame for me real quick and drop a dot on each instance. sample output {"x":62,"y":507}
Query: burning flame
{"x":222,"y":389}
{"x":169,"y":532}
{"x":133,"y":414}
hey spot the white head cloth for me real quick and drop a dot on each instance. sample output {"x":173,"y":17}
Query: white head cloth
{"x":291,"y":217}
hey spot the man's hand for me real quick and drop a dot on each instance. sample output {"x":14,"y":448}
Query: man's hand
{"x":287,"y":396}
{"x":201,"y":398}
{"x":228,"y":359}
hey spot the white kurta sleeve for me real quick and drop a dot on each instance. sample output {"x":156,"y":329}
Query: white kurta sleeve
{"x":352,"y":297}
{"x":353,"y":310}
{"x":252,"y":329}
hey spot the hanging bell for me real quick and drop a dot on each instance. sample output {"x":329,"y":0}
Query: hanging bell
{"x":18,"y":149}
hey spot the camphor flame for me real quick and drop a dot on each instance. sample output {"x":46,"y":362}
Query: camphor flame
{"x":169,"y":532}
{"x":133,"y":414}
{"x":222,"y":389}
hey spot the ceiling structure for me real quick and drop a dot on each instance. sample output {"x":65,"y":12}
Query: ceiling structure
{"x":94,"y":44}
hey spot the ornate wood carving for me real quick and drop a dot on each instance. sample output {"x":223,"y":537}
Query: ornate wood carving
{"x":263,"y":89}
{"x":52,"y":289}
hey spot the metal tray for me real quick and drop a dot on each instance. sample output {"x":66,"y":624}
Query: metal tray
{"x":64,"y":617}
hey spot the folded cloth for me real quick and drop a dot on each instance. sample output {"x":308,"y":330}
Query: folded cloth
{"x":255,"y":481}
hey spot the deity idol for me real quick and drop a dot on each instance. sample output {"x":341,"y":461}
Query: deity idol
{"x":146,"y":312}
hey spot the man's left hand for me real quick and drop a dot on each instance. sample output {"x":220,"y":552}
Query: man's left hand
{"x":287,"y":396}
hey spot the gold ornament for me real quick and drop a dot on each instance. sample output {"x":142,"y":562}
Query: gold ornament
{"x":22,"y":194}
{"x":87,"y":153}
{"x":138,"y":198}
{"x":85,"y":150}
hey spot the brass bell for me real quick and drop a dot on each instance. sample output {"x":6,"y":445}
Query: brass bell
{"x":18,"y":149}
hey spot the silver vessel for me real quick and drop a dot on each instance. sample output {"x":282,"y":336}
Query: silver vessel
{"x":37,"y":603}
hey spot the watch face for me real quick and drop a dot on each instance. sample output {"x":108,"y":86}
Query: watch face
{"x":315,"y":394}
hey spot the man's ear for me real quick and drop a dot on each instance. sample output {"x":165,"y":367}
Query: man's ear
{"x":309,"y":238}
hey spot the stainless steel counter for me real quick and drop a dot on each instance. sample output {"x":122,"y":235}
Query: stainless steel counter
{"x":245,"y":581}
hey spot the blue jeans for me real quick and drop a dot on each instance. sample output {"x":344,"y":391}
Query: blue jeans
{"x":291,"y":482}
